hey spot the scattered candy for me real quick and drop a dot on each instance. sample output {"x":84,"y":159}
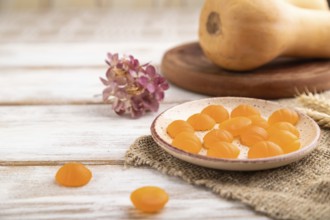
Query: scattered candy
{"x":149,"y":199}
{"x":73,"y":175}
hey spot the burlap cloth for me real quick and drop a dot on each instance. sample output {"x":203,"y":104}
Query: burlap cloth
{"x":298,"y":191}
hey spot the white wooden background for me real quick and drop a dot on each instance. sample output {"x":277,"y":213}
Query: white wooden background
{"x":96,"y":4}
{"x":49,"y":68}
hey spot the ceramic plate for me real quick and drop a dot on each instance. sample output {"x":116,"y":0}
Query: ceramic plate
{"x":309,"y":131}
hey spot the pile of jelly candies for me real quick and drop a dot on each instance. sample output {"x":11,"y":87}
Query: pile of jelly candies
{"x":270,"y":137}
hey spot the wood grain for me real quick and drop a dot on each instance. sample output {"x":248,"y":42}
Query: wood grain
{"x":31,"y":193}
{"x":63,"y":133}
{"x":63,"y":86}
{"x":187,"y":67}
{"x":75,"y":55}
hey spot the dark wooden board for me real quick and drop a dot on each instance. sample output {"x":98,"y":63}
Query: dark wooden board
{"x":187,"y":67}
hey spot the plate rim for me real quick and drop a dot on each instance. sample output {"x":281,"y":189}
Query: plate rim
{"x":296,"y":154}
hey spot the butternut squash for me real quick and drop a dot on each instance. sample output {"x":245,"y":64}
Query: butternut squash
{"x":242,"y":35}
{"x":311,"y":4}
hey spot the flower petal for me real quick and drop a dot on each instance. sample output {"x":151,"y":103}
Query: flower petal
{"x":104,"y":81}
{"x":151,"y":87}
{"x":151,"y":71}
{"x":143,"y":81}
{"x":106,"y":93}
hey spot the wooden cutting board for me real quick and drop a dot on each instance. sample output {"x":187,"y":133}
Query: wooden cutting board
{"x":187,"y":67}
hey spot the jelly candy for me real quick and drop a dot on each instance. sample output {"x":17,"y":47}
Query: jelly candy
{"x":284,"y":114}
{"x":217,"y":112}
{"x":236,"y":125}
{"x":178,"y":126}
{"x":188,"y":142}
{"x":245,"y":111}
{"x":223,"y":150}
{"x":201,"y":122}
{"x":149,"y":199}
{"x":284,"y":126}
{"x":217,"y":135}
{"x":282,"y":137}
{"x":73,"y":175}
{"x":259,"y":121}
{"x":252,"y":135}
{"x":264,"y":149}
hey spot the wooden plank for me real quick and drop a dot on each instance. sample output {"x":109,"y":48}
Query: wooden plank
{"x":75,"y":55}
{"x":109,"y":27}
{"x":45,"y":134}
{"x":31,"y":193}
{"x":63,"y":86}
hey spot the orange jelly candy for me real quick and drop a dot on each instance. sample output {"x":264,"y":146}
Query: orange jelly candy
{"x":223,"y":150}
{"x":236,"y":125}
{"x":217,"y":112}
{"x":284,"y":126}
{"x":149,"y":199}
{"x":282,"y":137}
{"x":253,"y":135}
{"x":264,"y":149}
{"x":284,"y":114}
{"x":188,"y":142}
{"x":178,"y":126}
{"x":245,"y":111}
{"x":73,"y":175}
{"x":286,"y":140}
{"x":296,"y":145}
{"x":201,"y":122}
{"x":259,"y":121}
{"x":217,"y":135}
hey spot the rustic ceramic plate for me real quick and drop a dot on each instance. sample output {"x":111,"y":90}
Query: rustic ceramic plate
{"x":309,"y":130}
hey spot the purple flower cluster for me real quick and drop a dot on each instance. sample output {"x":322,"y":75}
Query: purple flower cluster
{"x":132,"y":88}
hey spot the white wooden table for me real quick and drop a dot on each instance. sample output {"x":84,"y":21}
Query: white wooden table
{"x":50,"y":114}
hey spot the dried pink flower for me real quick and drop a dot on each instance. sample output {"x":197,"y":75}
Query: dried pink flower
{"x":132,"y":88}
